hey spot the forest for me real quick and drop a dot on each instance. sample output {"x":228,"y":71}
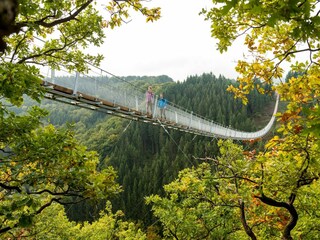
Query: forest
{"x":144,"y":156}
{"x":72,"y":173}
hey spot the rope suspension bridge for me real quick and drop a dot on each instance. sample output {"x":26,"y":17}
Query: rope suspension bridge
{"x":127,"y":101}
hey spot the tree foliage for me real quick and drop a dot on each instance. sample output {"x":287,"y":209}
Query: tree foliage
{"x":43,"y":165}
{"x":275,"y":32}
{"x":56,"y":33}
{"x":54,"y":224}
{"x":239,"y":196}
{"x":39,"y":164}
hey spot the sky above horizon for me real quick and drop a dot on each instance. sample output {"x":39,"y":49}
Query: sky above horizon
{"x":178,"y":44}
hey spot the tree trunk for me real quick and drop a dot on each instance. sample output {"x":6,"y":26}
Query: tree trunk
{"x":289,"y":207}
{"x":246,"y":227}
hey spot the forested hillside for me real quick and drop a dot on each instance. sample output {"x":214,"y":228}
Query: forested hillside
{"x":145,"y":156}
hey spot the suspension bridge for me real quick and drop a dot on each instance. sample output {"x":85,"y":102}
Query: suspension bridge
{"x":127,"y":101}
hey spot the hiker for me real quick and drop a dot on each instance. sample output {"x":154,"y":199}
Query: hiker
{"x":149,"y":100}
{"x":162,"y":104}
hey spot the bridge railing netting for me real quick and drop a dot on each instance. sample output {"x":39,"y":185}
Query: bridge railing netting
{"x":99,"y":84}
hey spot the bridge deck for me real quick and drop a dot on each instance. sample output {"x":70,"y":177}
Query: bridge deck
{"x":80,"y":99}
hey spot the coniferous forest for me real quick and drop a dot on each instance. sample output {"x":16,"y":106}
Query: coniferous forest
{"x":145,"y":156}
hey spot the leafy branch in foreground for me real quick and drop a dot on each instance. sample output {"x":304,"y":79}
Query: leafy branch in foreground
{"x":276,"y":33}
{"x":46,"y":165}
{"x":41,"y":165}
{"x":262,"y":196}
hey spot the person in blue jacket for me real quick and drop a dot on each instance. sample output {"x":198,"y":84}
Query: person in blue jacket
{"x":162,"y":104}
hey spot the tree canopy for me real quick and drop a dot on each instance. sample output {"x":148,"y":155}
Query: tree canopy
{"x":275,"y":32}
{"x":39,"y":164}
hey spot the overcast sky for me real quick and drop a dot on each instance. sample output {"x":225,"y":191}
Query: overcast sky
{"x":177,"y":45}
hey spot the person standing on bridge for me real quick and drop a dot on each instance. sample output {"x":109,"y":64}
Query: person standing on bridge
{"x":162,"y":104}
{"x":149,"y":99}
